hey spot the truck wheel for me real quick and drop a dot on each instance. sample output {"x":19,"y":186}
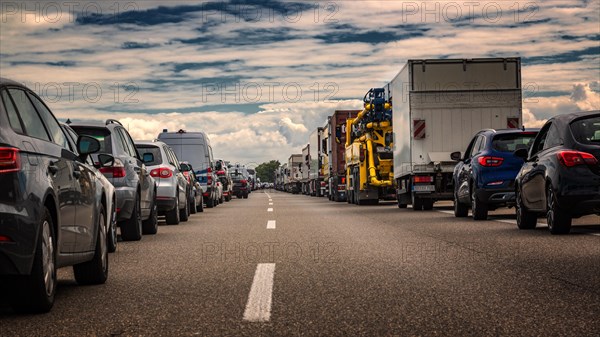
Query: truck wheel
{"x":525,"y":219}
{"x":35,"y":293}
{"x":131,"y":229}
{"x":559,"y":221}
{"x":172,"y":216}
{"x":95,"y":271}
{"x":417,"y":203}
{"x":478,"y":207}
{"x":460,"y":210}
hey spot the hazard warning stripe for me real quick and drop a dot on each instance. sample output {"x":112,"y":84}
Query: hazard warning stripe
{"x":419,"y":128}
{"x":512,"y":123}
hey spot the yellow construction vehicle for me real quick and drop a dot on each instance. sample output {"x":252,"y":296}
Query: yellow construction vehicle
{"x":369,"y":151}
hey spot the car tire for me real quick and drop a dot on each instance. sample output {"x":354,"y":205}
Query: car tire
{"x":131,"y":229}
{"x":525,"y":219}
{"x":245,"y":196}
{"x":478,"y":207}
{"x":150,"y":225}
{"x":192,"y":206}
{"x":460,"y":210}
{"x":559,"y":221}
{"x":172,"y":216}
{"x":112,"y":232}
{"x":32,"y":293}
{"x":210,"y":203}
{"x":200,"y":206}
{"x":184,"y":213}
{"x":95,"y":271}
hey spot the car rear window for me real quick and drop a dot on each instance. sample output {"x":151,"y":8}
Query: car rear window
{"x":510,"y":142}
{"x":141,"y":149}
{"x":587,"y":130}
{"x":102,"y":135}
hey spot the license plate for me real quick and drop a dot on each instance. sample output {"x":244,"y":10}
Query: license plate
{"x":424,"y":188}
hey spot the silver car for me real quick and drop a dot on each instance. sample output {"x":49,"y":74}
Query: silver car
{"x":173,"y":188}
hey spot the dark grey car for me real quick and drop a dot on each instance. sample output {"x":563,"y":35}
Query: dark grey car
{"x":135,"y":188}
{"x":52,"y":206}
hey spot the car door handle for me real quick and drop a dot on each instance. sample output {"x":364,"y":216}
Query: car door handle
{"x":52,"y":168}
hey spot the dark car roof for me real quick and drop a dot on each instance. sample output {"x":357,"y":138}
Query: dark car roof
{"x":5,"y":81}
{"x":568,"y":118}
{"x":508,"y":131}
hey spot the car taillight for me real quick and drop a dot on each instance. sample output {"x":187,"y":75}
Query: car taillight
{"x":490,"y":161}
{"x":244,"y":182}
{"x":574,"y":158}
{"x":209,"y":176}
{"x":162,"y":172}
{"x":4,"y":238}
{"x":186,"y":174}
{"x":423,"y":179}
{"x":117,"y":170}
{"x":341,"y":187}
{"x":10,"y":160}
{"x":220,"y":172}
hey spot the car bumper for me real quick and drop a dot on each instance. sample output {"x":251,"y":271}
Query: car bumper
{"x":582,"y":203}
{"x":125,"y":199}
{"x":164,"y":204}
{"x":497,"y":196}
{"x":17,"y":253}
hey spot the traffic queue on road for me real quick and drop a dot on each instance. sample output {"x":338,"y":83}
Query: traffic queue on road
{"x":68,"y":189}
{"x":408,"y":145}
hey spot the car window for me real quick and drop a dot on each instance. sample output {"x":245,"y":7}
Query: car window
{"x":129,"y":148}
{"x":130,"y":143}
{"x":13,"y":116}
{"x":32,"y":121}
{"x":476,"y":147}
{"x":552,"y":137}
{"x":538,"y":143}
{"x":72,"y":139}
{"x":141,"y":149}
{"x":55,"y":130}
{"x":171,"y":156}
{"x":512,"y":141}
{"x":587,"y":130}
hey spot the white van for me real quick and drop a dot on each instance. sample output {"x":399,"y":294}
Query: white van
{"x":194,"y":147}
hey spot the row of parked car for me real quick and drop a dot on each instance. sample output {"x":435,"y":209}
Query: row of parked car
{"x":552,"y":172}
{"x":67,"y":187}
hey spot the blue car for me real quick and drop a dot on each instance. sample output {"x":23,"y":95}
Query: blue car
{"x":484,"y":177}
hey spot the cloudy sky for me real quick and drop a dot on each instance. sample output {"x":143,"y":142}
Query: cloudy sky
{"x":259,"y":77}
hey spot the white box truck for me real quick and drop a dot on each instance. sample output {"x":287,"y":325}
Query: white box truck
{"x":437,"y":107}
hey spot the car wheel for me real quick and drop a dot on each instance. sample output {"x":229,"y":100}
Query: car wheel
{"x":95,"y":271}
{"x":246,"y":195}
{"x":200,"y":206}
{"x":192,"y":206}
{"x":131,"y":229}
{"x":150,"y":226}
{"x":478,"y":207}
{"x":417,"y":203}
{"x":525,"y":218}
{"x":184,"y":213}
{"x":35,"y":293}
{"x":559,"y":221}
{"x":460,"y":210}
{"x":112,"y":232}
{"x":172,"y":216}
{"x":210,"y":203}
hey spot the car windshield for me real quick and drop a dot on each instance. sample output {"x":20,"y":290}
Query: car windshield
{"x":587,"y":130}
{"x":510,"y":142}
{"x":141,"y":149}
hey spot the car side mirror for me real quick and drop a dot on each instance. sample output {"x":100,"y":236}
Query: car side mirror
{"x":106,"y":160}
{"x":456,"y":156}
{"x":87,"y":145}
{"x":148,"y":157}
{"x":521,"y":153}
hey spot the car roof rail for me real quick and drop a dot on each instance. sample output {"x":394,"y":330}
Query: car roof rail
{"x":113,"y":121}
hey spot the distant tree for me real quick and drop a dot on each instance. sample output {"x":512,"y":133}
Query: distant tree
{"x":266,"y":171}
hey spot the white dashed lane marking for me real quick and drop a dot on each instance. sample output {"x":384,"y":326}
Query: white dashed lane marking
{"x":271,"y":224}
{"x":258,"y":307}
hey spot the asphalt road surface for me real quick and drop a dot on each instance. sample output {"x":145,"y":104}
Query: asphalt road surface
{"x":299,"y":265}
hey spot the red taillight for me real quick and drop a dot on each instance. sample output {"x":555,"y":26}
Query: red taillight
{"x":574,"y":158}
{"x":117,"y":171}
{"x":343,"y":180}
{"x":209,"y":176}
{"x":341,"y":187}
{"x":490,"y":161}
{"x":10,"y":160}
{"x":4,"y":238}
{"x":162,"y":172}
{"x":244,"y":182}
{"x":423,"y":179}
{"x":220,"y":172}
{"x":186,"y":174}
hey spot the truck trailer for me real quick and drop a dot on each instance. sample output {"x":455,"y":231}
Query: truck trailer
{"x":304,"y":170}
{"x":437,"y":107}
{"x":335,"y":172}
{"x":294,"y":176}
{"x":315,"y":154}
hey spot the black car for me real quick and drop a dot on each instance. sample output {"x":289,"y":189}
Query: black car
{"x":561,"y":174}
{"x":52,"y":206}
